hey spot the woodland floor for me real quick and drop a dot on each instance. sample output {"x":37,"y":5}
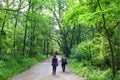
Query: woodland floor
{"x":43,"y":71}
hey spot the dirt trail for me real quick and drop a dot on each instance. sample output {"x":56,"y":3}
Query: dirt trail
{"x":43,"y":71}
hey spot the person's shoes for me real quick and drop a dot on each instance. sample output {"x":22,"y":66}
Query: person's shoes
{"x":53,"y":73}
{"x":63,"y":70}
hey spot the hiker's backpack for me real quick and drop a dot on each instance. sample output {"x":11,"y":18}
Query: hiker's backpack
{"x":64,"y":60}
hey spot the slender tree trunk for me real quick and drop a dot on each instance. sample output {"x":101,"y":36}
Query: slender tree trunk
{"x":109,"y":41}
{"x":78,"y":36}
{"x":25,"y":35}
{"x":2,"y":31}
{"x":66,"y":50}
{"x":90,"y":55}
{"x":16,"y":21}
{"x":72,"y":38}
{"x":47,"y":48}
{"x":31,"y":43}
{"x":44,"y":45}
{"x":112,"y":56}
{"x":30,"y":52}
{"x":4,"y":20}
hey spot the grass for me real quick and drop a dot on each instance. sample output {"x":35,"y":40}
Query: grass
{"x":90,"y":72}
{"x":11,"y":66}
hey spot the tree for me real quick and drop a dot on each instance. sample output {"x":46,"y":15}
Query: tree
{"x":97,"y":14}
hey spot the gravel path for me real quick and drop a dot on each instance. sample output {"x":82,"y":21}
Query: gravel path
{"x":43,"y":71}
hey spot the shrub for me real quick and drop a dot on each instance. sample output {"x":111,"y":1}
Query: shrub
{"x":16,"y":64}
{"x":90,"y":72}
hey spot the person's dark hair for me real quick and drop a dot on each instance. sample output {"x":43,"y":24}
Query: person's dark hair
{"x":54,"y":56}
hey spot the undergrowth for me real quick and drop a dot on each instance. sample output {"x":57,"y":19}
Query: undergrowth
{"x":91,"y":72}
{"x":11,"y":66}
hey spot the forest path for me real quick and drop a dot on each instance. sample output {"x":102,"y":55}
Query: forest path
{"x":43,"y":71}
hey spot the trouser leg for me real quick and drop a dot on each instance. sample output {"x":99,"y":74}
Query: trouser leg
{"x":54,"y":70}
{"x":63,"y":67}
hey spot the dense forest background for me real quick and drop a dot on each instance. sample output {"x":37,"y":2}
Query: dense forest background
{"x":86,"y":31}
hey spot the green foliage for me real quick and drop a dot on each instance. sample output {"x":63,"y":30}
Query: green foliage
{"x":12,"y":65}
{"x":101,"y":17}
{"x":29,"y":28}
{"x":92,"y":52}
{"x":90,"y":72}
{"x":81,"y":51}
{"x":88,"y":12}
{"x":117,"y":76}
{"x":88,"y":47}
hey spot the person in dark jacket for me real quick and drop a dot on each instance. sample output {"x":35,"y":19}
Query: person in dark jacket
{"x":64,"y":62}
{"x":54,"y":64}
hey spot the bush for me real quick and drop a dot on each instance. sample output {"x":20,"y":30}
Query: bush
{"x":90,"y":72}
{"x":91,"y":53}
{"x":117,"y":76}
{"x":16,"y":64}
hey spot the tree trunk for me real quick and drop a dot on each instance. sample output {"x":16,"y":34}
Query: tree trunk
{"x":31,"y":43}
{"x":78,"y":35}
{"x":109,"y":41}
{"x":25,"y":35}
{"x":2,"y":31}
{"x":16,"y":21}
{"x":47,"y":48}
{"x":112,"y":57}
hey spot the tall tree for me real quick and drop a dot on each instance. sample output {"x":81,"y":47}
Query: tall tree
{"x":99,"y":15}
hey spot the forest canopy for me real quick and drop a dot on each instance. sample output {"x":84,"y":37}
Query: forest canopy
{"x":86,"y":31}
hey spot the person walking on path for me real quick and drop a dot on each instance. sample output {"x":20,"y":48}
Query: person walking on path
{"x":64,"y":62}
{"x":54,"y":64}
